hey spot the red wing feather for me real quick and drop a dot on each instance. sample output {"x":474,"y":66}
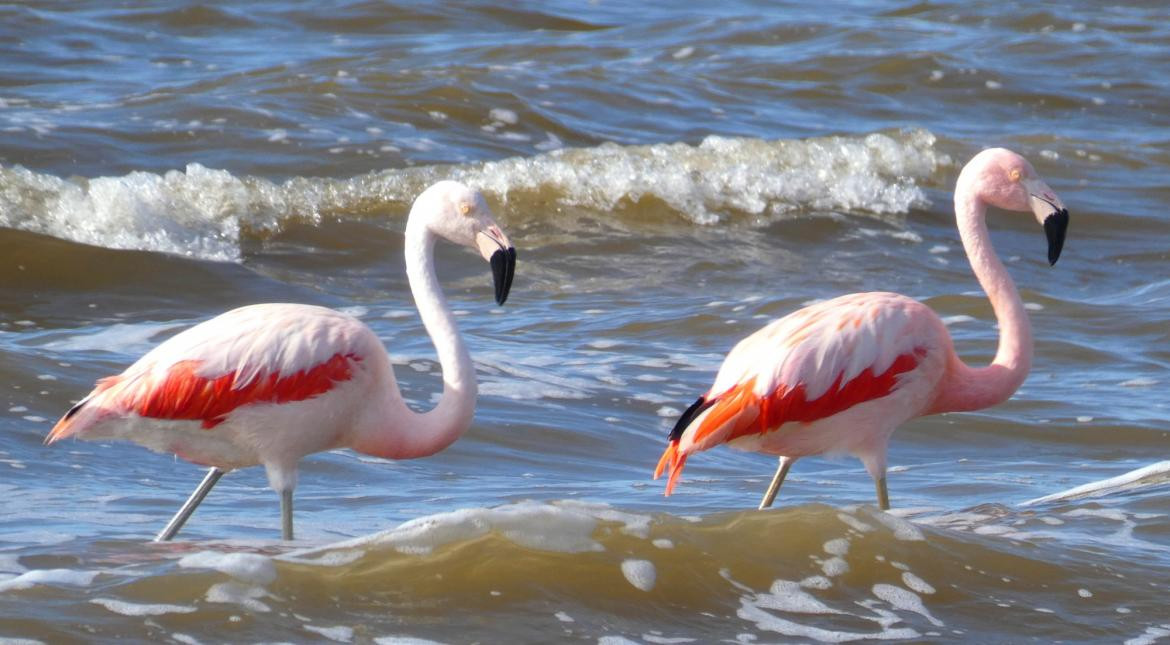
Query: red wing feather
{"x":183,"y":394}
{"x":750,"y":413}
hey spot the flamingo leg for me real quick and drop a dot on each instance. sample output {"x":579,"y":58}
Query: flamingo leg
{"x":882,"y":494}
{"x":188,"y":507}
{"x":286,"y":511}
{"x":774,"y":487}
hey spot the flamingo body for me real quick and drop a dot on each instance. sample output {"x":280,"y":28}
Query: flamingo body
{"x":242,"y":389}
{"x":840,"y":376}
{"x":805,"y":383}
{"x":270,"y":383}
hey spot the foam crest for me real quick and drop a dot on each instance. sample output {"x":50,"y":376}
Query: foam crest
{"x":561,"y":527}
{"x":199,"y":212}
{"x":204,"y":213}
{"x":1152,"y":475}
{"x":877,"y":173}
{"x":246,"y":567}
{"x":36,"y":577}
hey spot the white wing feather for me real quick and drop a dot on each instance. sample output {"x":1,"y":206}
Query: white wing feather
{"x":814,"y":346}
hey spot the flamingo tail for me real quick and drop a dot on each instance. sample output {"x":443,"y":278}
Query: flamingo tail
{"x":674,"y":461}
{"x":80,"y":415}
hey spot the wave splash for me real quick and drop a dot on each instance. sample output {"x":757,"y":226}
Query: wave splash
{"x":204,"y":213}
{"x":814,"y":573}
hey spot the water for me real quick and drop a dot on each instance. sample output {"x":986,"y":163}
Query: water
{"x":672,"y":179}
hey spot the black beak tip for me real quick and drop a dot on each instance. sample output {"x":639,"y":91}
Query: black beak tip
{"x":1055,"y":227}
{"x":503,"y":268}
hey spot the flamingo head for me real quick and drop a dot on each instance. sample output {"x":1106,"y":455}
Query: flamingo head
{"x":460,"y":214}
{"x":1006,"y":180}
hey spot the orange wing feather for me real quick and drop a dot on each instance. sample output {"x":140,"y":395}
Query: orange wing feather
{"x":751,"y":413}
{"x":182,"y":394}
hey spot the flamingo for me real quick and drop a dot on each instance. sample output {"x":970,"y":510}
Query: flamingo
{"x":840,"y":376}
{"x":271,"y":383}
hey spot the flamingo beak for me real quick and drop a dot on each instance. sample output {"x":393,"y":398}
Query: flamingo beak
{"x":495,"y":247}
{"x":1055,"y":226}
{"x":1051,"y":213}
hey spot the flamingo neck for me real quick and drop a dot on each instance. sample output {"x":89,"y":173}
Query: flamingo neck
{"x":968,"y":388}
{"x":401,"y":433}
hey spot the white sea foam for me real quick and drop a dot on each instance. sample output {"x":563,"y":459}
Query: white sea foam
{"x":405,"y":640}
{"x":339,"y":634}
{"x":640,"y":573}
{"x":197,"y":212}
{"x":905,"y":600}
{"x":138,"y":609}
{"x":766,"y":620}
{"x":903,"y":529}
{"x":787,"y":595}
{"x":1152,"y":635}
{"x":916,"y":584}
{"x":36,"y":577}
{"x":246,"y":567}
{"x":1154,"y":474}
{"x":835,"y":566}
{"x":237,"y":594}
{"x":203,"y":212}
{"x":837,"y":546}
{"x":565,"y":527}
{"x":330,"y":558}
{"x":666,"y":640}
{"x":504,"y":116}
{"x":854,"y":523}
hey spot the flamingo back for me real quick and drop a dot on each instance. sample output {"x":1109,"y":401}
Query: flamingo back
{"x":272,"y":353}
{"x":810,"y":365}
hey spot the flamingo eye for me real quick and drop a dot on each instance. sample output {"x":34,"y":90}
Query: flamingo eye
{"x":464,"y":208}
{"x":1014,"y":174}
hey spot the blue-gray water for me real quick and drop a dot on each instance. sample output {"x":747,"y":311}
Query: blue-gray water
{"x":673,"y":177}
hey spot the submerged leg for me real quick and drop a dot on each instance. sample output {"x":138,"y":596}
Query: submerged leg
{"x":286,"y":510}
{"x":882,"y":494}
{"x":188,"y":507}
{"x":774,"y":487}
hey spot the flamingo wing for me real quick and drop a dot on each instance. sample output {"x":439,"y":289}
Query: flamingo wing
{"x":255,"y":354}
{"x":812,"y":364}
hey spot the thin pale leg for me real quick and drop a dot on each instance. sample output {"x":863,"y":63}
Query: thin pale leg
{"x":774,"y":487}
{"x":188,"y":507}
{"x":286,"y":510}
{"x":882,"y":494}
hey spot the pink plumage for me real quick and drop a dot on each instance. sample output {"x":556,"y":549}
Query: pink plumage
{"x":840,"y":376}
{"x":268,"y":384}
{"x":197,"y":394}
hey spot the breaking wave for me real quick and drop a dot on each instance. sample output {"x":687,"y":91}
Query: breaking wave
{"x":204,"y":213}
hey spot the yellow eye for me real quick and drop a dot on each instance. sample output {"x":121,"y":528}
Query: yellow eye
{"x":465,"y":208}
{"x":1014,"y":174}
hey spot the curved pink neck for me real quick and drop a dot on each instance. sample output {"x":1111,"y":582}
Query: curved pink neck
{"x":973,"y":388}
{"x":394,"y":431}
